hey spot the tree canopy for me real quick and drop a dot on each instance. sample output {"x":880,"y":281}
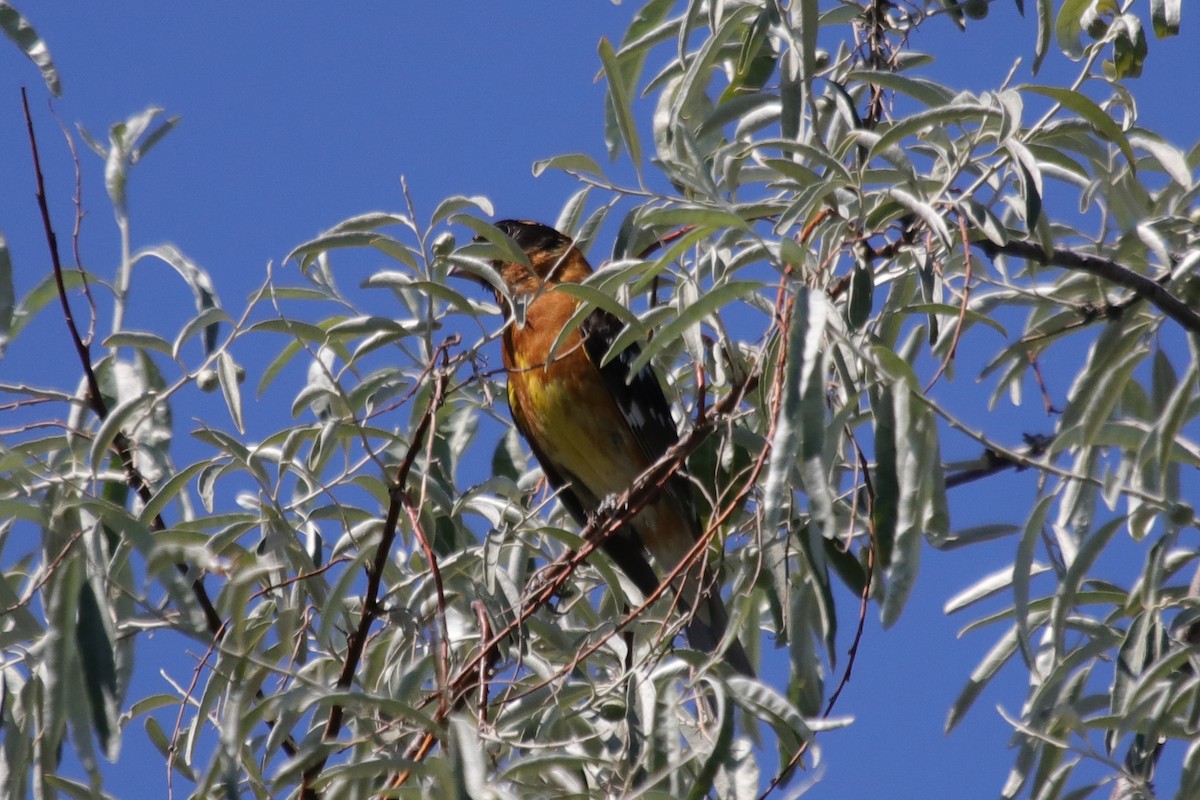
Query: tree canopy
{"x":848,"y":275}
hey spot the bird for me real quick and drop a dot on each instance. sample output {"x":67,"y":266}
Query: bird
{"x":595,"y":427}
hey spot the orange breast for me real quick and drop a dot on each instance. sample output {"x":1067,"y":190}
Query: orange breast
{"x":565,"y":405}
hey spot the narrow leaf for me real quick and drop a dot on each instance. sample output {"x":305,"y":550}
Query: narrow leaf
{"x":1091,"y":113}
{"x":862,"y":295}
{"x":902,"y":570}
{"x":1064,"y":601}
{"x":204,"y":321}
{"x":939,"y":117}
{"x":154,"y":137}
{"x":926,"y":212}
{"x":807,"y":21}
{"x":811,"y":415}
{"x":570,"y":163}
{"x":785,"y":446}
{"x":987,"y":586}
{"x":141,"y":340}
{"x":1173,"y":162}
{"x":766,"y":704}
{"x":1023,"y":570}
{"x":93,"y":635}
{"x":618,"y":94}
{"x":1045,"y":26}
{"x":7,"y":295}
{"x":887,"y":488}
{"x":982,"y":219}
{"x":708,"y":304}
{"x":305,"y":254}
{"x":1029,"y":176}
{"x":486,"y":231}
{"x":1164,"y":14}
{"x":169,"y":490}
{"x":18,"y":29}
{"x":114,"y":424}
{"x":995,"y":658}
{"x":227,"y":373}
{"x":454,"y":205}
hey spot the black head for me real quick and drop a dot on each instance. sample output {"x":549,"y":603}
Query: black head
{"x":533,"y":237}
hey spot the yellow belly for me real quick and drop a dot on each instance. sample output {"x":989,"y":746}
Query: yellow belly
{"x":591,"y":442}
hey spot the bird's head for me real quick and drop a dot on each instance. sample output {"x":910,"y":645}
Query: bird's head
{"x":553,"y":258}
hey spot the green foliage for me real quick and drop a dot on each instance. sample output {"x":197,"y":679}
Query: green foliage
{"x":814,"y":239}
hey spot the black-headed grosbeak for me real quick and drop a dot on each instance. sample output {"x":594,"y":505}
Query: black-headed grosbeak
{"x":595,"y":429}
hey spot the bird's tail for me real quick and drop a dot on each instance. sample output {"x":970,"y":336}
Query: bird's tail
{"x":708,"y":626}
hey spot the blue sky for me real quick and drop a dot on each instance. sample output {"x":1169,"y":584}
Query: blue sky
{"x":296,"y":117}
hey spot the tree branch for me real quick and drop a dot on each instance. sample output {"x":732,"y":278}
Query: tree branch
{"x":1111,"y":271}
{"x":1036,"y":445}
{"x":356,"y":642}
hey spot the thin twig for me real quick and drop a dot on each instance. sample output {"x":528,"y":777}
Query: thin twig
{"x":486,"y":666}
{"x":95,"y":399}
{"x":77,"y":230}
{"x":664,"y":240}
{"x":1047,"y":403}
{"x":298,"y":578}
{"x":962,"y":308}
{"x":32,"y":591}
{"x":173,"y":751}
{"x":865,"y":595}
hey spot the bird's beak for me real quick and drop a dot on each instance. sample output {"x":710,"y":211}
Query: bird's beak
{"x":479,"y":262}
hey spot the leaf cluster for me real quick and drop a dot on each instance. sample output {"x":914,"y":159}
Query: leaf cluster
{"x":817,"y":236}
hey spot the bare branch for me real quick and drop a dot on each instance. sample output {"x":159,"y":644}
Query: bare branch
{"x":1147,"y":288}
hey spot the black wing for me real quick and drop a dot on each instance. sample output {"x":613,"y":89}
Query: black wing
{"x":641,"y":401}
